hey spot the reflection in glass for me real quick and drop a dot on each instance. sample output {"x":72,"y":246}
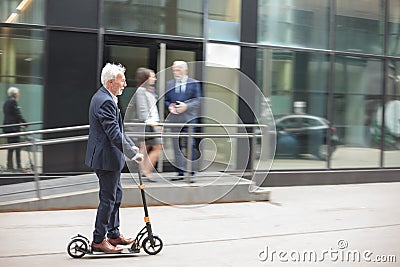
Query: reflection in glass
{"x":296,"y":85}
{"x":391,"y":136}
{"x":301,"y":23}
{"x":22,"y":11}
{"x":21,"y":66}
{"x":357,"y":97}
{"x":222,"y":87}
{"x":394,"y":28}
{"x":288,"y":77}
{"x":172,"y":17}
{"x":360,"y":26}
{"x":224,"y":20}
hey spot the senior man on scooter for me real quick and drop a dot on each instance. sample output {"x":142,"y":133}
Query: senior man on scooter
{"x":106,"y":147}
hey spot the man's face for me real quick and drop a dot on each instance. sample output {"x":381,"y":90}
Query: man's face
{"x":117,"y":86}
{"x":178,"y":72}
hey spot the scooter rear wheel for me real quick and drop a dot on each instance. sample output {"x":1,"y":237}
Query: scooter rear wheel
{"x":77,"y":248}
{"x":152,"y":250}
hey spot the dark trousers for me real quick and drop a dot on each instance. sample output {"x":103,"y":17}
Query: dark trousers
{"x":110,"y":196}
{"x":10,"y":152}
{"x":181,"y":150}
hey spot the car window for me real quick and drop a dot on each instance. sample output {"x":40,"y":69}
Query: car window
{"x":290,"y":123}
{"x":309,"y":122}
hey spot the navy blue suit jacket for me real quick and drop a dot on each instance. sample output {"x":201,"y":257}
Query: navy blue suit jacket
{"x":107,"y":142}
{"x":191,"y":97}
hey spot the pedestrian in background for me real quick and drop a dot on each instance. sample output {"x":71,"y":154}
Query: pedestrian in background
{"x":182,"y":99}
{"x":13,"y":115}
{"x":145,"y":102}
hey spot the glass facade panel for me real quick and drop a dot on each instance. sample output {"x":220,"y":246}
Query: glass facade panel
{"x":21,"y":66}
{"x":22,"y":11}
{"x":224,"y":20}
{"x":394,"y":28}
{"x":391,"y":137}
{"x":220,"y":106}
{"x":360,"y":26}
{"x":171,"y":17}
{"x":357,"y":96}
{"x":312,"y":87}
{"x":300,"y":23}
{"x":296,"y":84}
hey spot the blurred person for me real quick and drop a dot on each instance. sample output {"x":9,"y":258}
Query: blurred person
{"x":106,"y":147}
{"x":182,"y":99}
{"x":13,"y":115}
{"x":145,"y":102}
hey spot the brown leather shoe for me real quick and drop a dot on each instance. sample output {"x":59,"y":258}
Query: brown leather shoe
{"x":106,"y":247}
{"x":121,"y":240}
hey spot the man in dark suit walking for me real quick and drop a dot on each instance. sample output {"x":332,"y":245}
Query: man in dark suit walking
{"x":106,"y":148}
{"x":182,"y":100}
{"x":13,"y":115}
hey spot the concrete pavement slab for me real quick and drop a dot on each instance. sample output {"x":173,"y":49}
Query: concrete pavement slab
{"x":311,"y":220}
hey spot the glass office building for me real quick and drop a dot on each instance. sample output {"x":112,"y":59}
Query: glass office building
{"x":332,"y":63}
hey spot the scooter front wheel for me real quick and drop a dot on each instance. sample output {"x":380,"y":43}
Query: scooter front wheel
{"x":77,"y":248}
{"x":152,"y":249}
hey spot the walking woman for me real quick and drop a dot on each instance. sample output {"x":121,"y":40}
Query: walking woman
{"x":145,"y":101}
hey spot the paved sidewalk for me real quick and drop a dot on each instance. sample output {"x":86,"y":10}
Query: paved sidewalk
{"x":330,"y":222}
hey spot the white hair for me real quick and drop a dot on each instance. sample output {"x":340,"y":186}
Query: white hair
{"x":180,"y":63}
{"x":110,"y":72}
{"x":12,"y":91}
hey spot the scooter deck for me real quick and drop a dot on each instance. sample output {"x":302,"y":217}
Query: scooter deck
{"x":125,"y":251}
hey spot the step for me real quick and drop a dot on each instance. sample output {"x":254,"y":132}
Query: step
{"x":81,"y":191}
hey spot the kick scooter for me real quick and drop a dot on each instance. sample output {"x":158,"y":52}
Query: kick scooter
{"x":151,"y":244}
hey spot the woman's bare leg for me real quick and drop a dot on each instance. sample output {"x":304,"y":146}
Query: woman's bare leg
{"x":154,"y":154}
{"x":145,"y":164}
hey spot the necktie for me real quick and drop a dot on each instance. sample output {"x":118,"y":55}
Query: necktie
{"x":179,"y":88}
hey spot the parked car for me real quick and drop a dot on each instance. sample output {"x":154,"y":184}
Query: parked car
{"x":304,"y":134}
